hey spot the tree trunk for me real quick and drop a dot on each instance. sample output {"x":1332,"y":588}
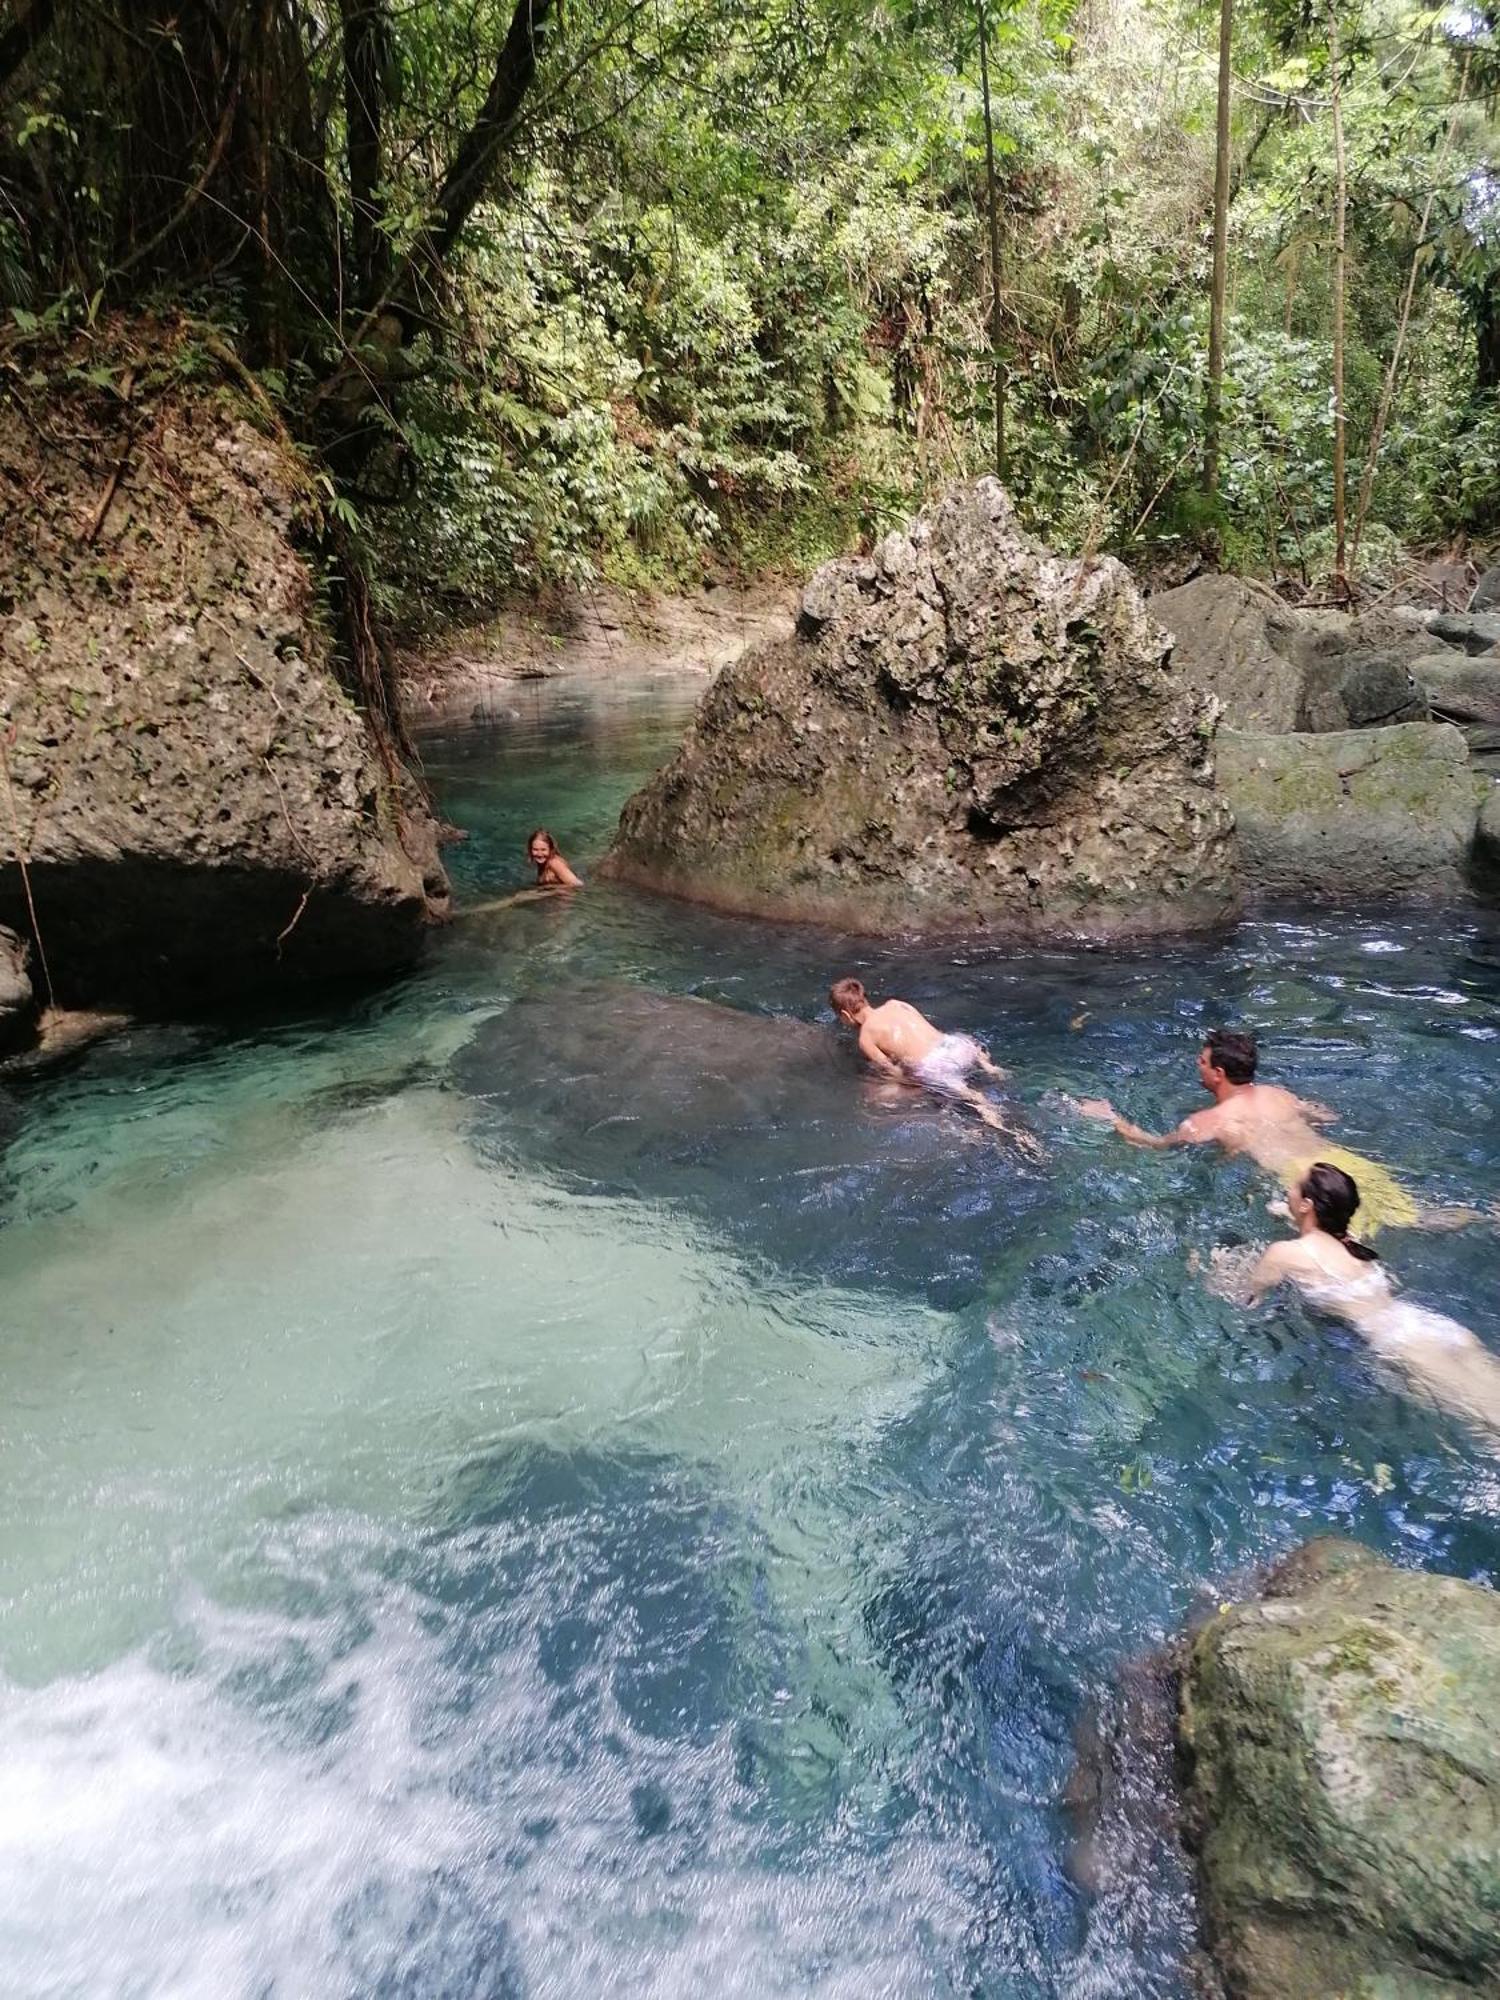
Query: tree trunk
{"x":994,"y":211}
{"x":1340,"y":209}
{"x":22,"y":36}
{"x":366,"y":54}
{"x":1487,"y":336}
{"x":1221,"y":257}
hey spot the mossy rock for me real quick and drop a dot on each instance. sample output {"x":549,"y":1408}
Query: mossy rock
{"x":1342,"y":1781}
{"x":1354,"y":815}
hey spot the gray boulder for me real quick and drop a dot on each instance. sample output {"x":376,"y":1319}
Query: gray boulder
{"x":965,"y":731}
{"x":1342,"y":1783}
{"x":1360,"y":814}
{"x":1361,"y":690}
{"x":1487,"y":591}
{"x":1461,"y":688}
{"x":1470,"y":631}
{"x":1236,"y":641}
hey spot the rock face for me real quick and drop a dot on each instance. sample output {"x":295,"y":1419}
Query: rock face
{"x":1342,"y":1783}
{"x":17,"y":999}
{"x":966,"y":731}
{"x":1237,"y":641}
{"x":1487,"y":591}
{"x":1487,"y":839}
{"x":1360,"y":814}
{"x":202,"y":809}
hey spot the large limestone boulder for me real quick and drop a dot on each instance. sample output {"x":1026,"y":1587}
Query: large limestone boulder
{"x":1354,"y":815}
{"x":1342,"y":1783}
{"x":1487,"y":591}
{"x":1236,"y":641}
{"x":202,"y":807}
{"x":965,"y":731}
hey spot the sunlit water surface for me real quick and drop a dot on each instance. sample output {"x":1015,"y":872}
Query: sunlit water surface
{"x":482,"y":1519}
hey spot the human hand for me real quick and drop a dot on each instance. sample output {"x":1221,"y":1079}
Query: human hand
{"x":1095,"y":1107}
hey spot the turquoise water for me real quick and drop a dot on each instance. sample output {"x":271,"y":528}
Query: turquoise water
{"x":503,"y":1498}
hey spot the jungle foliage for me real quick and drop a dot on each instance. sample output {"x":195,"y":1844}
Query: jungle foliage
{"x":643,"y":287}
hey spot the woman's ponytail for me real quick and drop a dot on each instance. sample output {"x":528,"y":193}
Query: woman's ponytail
{"x":1335,"y":1196}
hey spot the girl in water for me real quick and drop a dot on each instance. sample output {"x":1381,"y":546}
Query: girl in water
{"x":1436,"y":1356}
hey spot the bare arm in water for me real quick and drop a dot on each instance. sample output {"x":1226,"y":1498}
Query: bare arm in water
{"x":1197,"y":1130}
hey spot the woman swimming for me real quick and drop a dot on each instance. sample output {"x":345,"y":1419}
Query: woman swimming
{"x":1436,"y":1356}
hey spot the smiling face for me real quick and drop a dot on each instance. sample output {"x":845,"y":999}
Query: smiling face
{"x":540,"y":849}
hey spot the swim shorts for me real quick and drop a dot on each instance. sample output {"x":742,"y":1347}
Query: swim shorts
{"x":946,"y":1066}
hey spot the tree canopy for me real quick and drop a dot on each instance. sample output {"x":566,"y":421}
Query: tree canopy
{"x":639,"y":286}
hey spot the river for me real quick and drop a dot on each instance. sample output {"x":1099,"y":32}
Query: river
{"x":476,"y":1521}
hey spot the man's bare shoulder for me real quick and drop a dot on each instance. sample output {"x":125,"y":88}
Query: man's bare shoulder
{"x":1271,"y":1100}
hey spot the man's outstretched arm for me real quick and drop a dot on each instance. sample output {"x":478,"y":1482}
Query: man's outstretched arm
{"x":1185,"y":1134}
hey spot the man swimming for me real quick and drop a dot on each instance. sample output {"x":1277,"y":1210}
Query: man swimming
{"x":1273,"y":1127}
{"x":899,"y":1042}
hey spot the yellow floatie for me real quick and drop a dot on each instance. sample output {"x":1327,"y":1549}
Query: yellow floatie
{"x":1383,"y":1202}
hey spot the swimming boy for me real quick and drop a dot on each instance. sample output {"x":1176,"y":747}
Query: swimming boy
{"x":1275,"y":1128}
{"x":898,"y":1041}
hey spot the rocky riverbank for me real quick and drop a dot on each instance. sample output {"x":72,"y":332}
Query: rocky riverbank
{"x":603,"y":630}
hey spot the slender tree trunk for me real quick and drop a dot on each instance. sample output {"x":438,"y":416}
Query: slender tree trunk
{"x":1487,"y":336}
{"x":1398,"y":346}
{"x":365,"y":60}
{"x":994,"y":209}
{"x":1340,"y":216}
{"x":1221,"y":257}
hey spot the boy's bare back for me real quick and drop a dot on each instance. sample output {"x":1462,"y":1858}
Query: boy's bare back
{"x":897,"y":1034}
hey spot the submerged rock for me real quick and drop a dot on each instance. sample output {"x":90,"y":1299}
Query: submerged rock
{"x":1353,"y":815}
{"x":760,"y":1124}
{"x":1342,"y":1782}
{"x":203,"y":809}
{"x":965,"y":731}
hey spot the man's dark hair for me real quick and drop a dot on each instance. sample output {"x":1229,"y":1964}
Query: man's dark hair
{"x":1234,"y":1053}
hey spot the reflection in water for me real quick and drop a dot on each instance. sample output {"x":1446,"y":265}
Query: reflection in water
{"x":531,"y":1488}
